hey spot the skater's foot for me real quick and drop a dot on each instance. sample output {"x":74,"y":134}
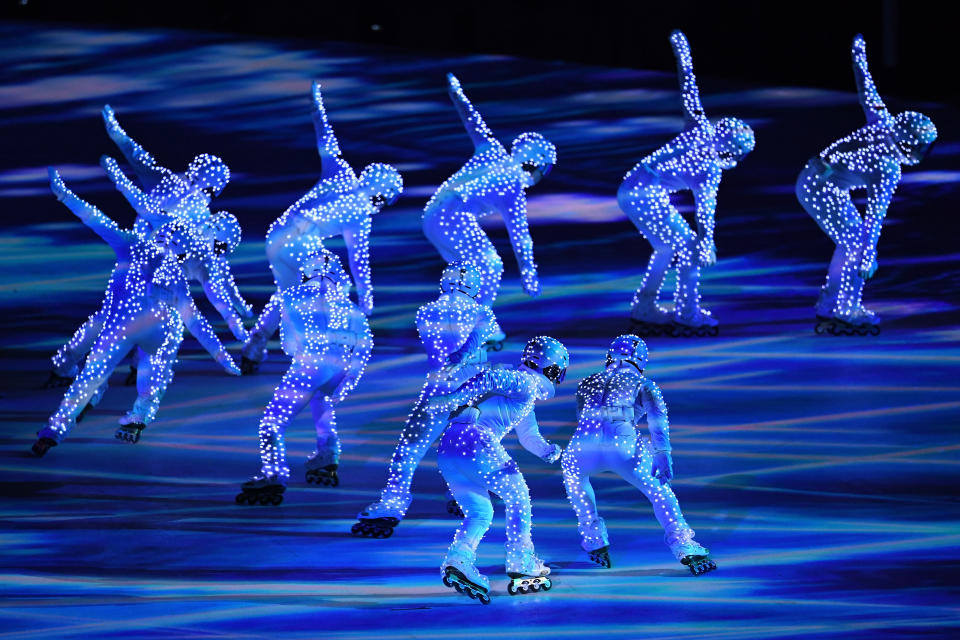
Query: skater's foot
{"x":262,"y":490}
{"x":601,"y":557}
{"x":130,"y":432}
{"x":696,"y":323}
{"x":248,"y":366}
{"x":131,"y":378}
{"x":374,"y":527}
{"x":453,"y":508}
{"x":56,"y":380}
{"x":324,"y":476}
{"x":860,"y":322}
{"x":42,"y":445}
{"x":694,"y":556}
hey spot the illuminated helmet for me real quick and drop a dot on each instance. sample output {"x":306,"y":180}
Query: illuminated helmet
{"x":223,"y":230}
{"x":548,"y":356}
{"x":630,"y":349}
{"x":381,"y":183}
{"x":326,"y":265}
{"x":733,"y":139}
{"x":461,"y":276}
{"x":535,"y":154}
{"x":209,"y":173}
{"x":914,"y":133}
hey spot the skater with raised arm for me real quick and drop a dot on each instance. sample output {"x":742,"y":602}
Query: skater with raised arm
{"x":330,"y":342}
{"x":492,"y":181}
{"x":475,"y":464}
{"x":694,"y":161}
{"x":339,"y":204}
{"x":147,"y":305}
{"x":453,"y":329}
{"x":610,"y":406}
{"x":868,"y":159}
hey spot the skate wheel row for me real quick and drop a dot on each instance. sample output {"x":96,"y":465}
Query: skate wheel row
{"x":259,"y":498}
{"x":130,"y":432}
{"x":699,"y":565}
{"x":326,"y":477}
{"x":601,"y":557}
{"x":453,"y":578}
{"x":648,"y":329}
{"x":375,"y":528}
{"x":528,"y":585}
{"x":840,"y":329}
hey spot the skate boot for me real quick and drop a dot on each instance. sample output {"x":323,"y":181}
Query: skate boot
{"x":531,"y":577}
{"x":601,"y":556}
{"x":130,"y":429}
{"x":379,"y":519}
{"x":699,"y":323}
{"x":131,"y":379}
{"x":453,"y":508}
{"x":693,"y":556}
{"x":860,"y":322}
{"x":248,"y":366}
{"x":322,"y":469}
{"x":262,"y":490}
{"x":42,"y":445}
{"x":459,"y":572}
{"x":647,"y":318}
{"x":56,"y":380}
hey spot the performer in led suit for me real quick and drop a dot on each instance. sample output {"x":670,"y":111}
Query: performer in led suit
{"x":869,"y":159}
{"x":474,"y":463}
{"x":338,"y":204}
{"x":148,"y":303}
{"x":693,"y":161}
{"x":610,"y":406}
{"x":453,"y":329}
{"x":491,"y":181}
{"x":330,"y":342}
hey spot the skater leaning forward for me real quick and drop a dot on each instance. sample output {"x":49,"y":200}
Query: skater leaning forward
{"x":474,"y":464}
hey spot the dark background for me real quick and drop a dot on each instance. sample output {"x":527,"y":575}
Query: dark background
{"x":911,"y":44}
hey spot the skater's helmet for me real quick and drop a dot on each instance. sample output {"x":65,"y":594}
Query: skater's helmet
{"x":914,"y":133}
{"x":209,"y":173}
{"x":630,"y":349}
{"x":223,"y":230}
{"x":733,"y":139}
{"x":461,"y":276}
{"x":535,"y":154}
{"x":176,"y":239}
{"x":326,"y":265}
{"x":381,"y":183}
{"x":548,"y":356}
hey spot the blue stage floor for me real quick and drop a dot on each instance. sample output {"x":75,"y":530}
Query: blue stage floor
{"x":821,"y":471}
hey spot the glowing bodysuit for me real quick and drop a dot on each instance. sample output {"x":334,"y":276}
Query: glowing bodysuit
{"x":330,"y":342}
{"x":148,"y":303}
{"x":338,"y":204}
{"x":868,"y":159}
{"x":453,"y":329}
{"x":491,"y":181}
{"x":474,"y":463}
{"x":610,"y":406}
{"x":693,"y":161}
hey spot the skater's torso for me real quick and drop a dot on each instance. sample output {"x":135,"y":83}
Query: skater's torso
{"x":509,"y":398}
{"x":688,"y":162}
{"x":868,"y":157}
{"x":312,"y":320}
{"x":445,"y":324}
{"x":609,"y":398}
{"x":488,"y":183}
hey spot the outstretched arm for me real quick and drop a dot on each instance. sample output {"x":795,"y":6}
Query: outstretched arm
{"x":870,"y":99}
{"x":476,"y":128}
{"x":518,"y":230}
{"x":143,"y":205}
{"x":692,"y":108}
{"x":99,"y":223}
{"x":357,"y":240}
{"x":488,"y":381}
{"x":200,"y":328}
{"x":144,"y":164}
{"x":327,"y":145}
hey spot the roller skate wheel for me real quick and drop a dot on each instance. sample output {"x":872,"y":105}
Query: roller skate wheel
{"x":534,"y":587}
{"x":446,"y":579}
{"x":458,"y":587}
{"x":471,"y":593}
{"x":512,"y":590}
{"x":547,"y":585}
{"x":276,"y":499}
{"x":484,"y":598}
